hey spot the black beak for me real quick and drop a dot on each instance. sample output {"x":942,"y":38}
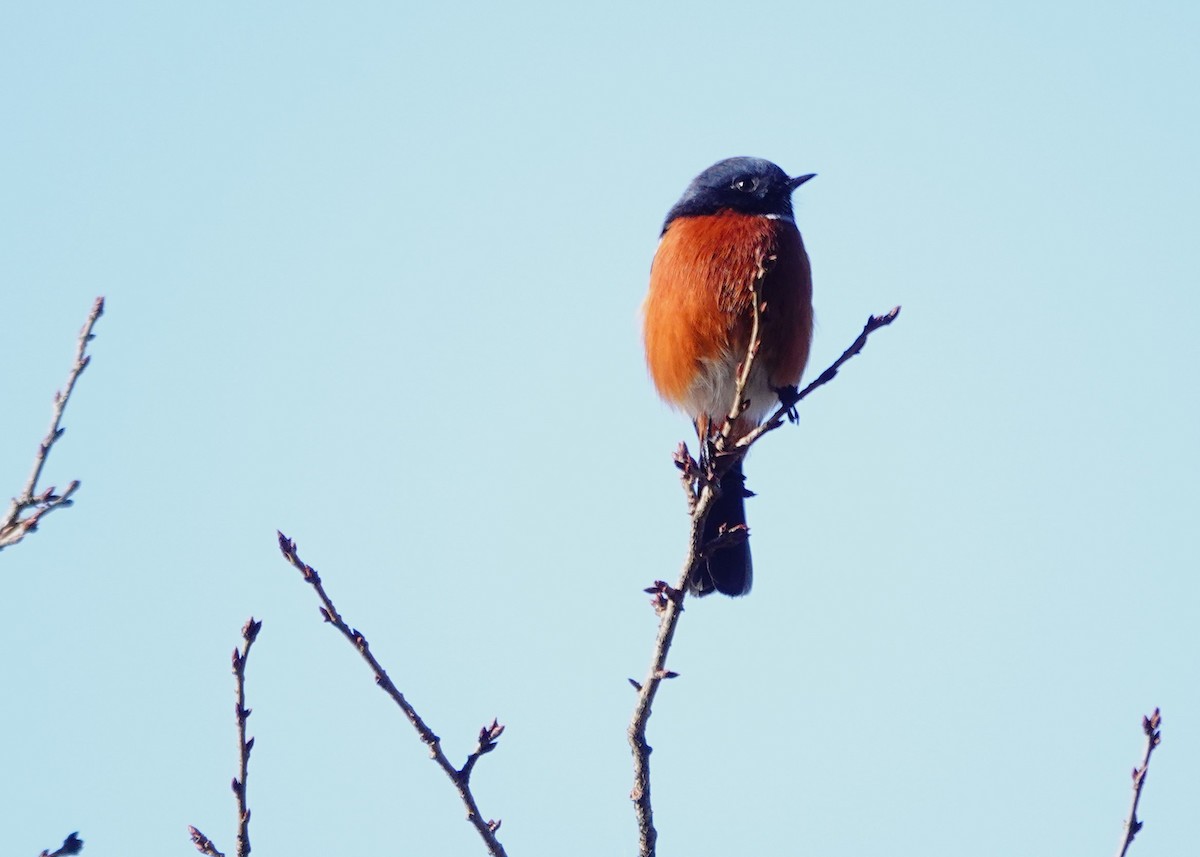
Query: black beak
{"x":799,"y":180}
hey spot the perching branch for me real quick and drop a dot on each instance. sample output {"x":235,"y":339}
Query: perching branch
{"x":241,"y":713}
{"x":30,"y":506}
{"x":1153,"y":739}
{"x":488,"y":735}
{"x":790,"y":398}
{"x":701,"y":480}
{"x":71,"y":845}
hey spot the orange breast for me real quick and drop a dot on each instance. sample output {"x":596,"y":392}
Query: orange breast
{"x":699,"y":308}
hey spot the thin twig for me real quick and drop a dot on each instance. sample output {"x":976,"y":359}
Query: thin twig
{"x":17,"y":523}
{"x":461,"y":777}
{"x":241,"y":714}
{"x":71,"y":845}
{"x":757,"y":307}
{"x":203,"y":844}
{"x":700,"y":481}
{"x":245,"y":745}
{"x":1150,"y":726}
{"x":668,"y":603}
{"x":787,"y":405}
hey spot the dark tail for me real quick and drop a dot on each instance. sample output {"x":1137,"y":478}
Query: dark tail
{"x":727,"y":570}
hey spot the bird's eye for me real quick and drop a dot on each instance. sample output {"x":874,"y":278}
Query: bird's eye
{"x":745,"y":184}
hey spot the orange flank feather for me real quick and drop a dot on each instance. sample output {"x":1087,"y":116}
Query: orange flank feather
{"x":698,"y":313}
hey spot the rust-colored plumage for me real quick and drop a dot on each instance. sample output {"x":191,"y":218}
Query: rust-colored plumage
{"x":698,"y":313}
{"x":734,"y":220}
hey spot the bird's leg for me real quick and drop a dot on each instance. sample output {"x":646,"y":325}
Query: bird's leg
{"x":789,"y":395}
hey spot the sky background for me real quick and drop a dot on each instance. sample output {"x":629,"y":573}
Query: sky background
{"x":373,"y":275}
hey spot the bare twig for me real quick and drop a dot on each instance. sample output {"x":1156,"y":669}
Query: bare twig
{"x":668,"y":603}
{"x":203,"y":844}
{"x":787,"y":405}
{"x":241,"y":714}
{"x":1150,"y":725}
{"x":71,"y":845}
{"x":700,"y":481}
{"x":461,"y":777}
{"x":30,"y":506}
{"x":245,"y":745}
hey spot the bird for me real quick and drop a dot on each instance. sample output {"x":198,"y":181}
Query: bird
{"x":734,"y":220}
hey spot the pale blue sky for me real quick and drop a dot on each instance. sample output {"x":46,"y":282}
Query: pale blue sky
{"x":373,"y":275}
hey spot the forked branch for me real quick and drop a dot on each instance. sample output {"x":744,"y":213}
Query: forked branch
{"x":701,"y":479}
{"x":790,"y":398}
{"x":488,"y":735}
{"x":31,"y":505}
